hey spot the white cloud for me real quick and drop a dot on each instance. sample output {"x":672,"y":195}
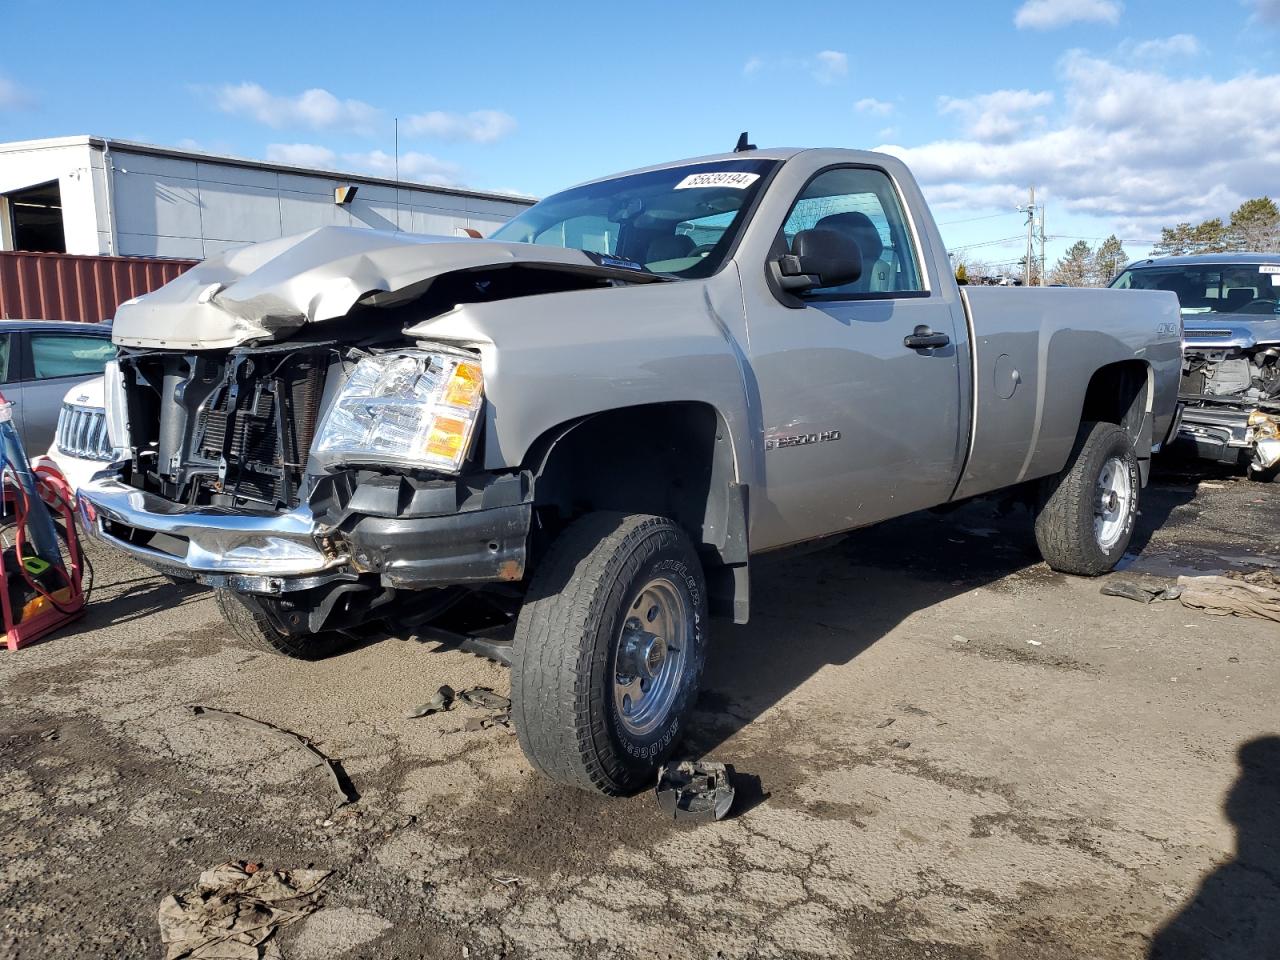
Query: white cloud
{"x":1266,"y":11}
{"x":879,"y":108}
{"x":413,"y":166}
{"x":1135,"y":146}
{"x":825,"y":66}
{"x":315,"y":109}
{"x":829,"y":66}
{"x":301,"y":154}
{"x":479,"y":126}
{"x":1000,"y":115}
{"x":1178,"y":45}
{"x":12,"y":96}
{"x":1048,"y":14}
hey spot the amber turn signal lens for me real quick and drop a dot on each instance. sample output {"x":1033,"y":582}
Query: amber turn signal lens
{"x":446,"y":437}
{"x":465,"y":386}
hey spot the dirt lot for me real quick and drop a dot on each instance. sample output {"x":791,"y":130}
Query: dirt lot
{"x":1065,"y":775}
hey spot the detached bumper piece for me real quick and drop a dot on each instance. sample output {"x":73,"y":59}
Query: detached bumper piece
{"x":1233,"y":435}
{"x":354,"y":526}
{"x":695,"y":790}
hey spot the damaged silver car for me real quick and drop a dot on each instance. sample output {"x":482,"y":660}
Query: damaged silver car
{"x":1230,"y":389}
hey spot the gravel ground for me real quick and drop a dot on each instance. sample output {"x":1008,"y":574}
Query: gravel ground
{"x":959,"y":754}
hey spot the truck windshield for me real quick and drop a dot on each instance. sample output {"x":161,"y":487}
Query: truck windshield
{"x":1243,"y":289}
{"x":680,"y":221}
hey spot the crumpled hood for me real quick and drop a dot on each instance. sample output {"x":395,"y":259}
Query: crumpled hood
{"x":267,"y":290}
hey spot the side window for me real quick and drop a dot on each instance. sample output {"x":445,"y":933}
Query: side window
{"x":4,"y":358}
{"x":68,"y":355}
{"x":861,"y":203}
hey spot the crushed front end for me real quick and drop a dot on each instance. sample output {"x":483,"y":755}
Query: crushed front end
{"x":1230,"y":393}
{"x":323,"y":479}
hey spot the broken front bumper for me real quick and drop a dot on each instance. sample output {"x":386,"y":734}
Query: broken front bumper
{"x":1226,"y":434}
{"x":406,"y":535}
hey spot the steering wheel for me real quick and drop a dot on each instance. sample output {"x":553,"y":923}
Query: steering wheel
{"x":1259,"y":302}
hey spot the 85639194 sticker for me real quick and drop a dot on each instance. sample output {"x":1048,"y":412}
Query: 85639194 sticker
{"x":735,"y":179}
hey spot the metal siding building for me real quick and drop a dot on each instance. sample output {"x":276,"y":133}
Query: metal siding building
{"x":119,"y":198}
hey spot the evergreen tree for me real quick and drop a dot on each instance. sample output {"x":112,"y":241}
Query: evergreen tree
{"x":1075,"y":269}
{"x":1108,"y":261}
{"x":1255,"y":226}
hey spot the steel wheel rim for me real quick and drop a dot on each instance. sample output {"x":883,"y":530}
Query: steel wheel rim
{"x":648,"y":662}
{"x":1113,"y":501}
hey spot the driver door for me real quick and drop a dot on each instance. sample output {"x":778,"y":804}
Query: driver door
{"x":859,"y":426}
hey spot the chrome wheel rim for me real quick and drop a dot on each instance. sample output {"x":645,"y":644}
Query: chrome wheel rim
{"x":648,"y":665}
{"x":1112,"y":503}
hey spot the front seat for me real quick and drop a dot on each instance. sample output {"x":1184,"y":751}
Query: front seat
{"x":1237,"y":297}
{"x":674,"y":246}
{"x":877,"y":264}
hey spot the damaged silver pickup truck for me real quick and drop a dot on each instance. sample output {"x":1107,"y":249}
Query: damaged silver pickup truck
{"x":1231,"y":372}
{"x":593,"y":419}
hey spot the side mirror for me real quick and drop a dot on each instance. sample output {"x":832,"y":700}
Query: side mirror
{"x":820,"y":258}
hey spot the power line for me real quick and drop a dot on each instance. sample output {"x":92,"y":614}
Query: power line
{"x":986,"y":243}
{"x":1063,"y":236}
{"x":989,"y":216}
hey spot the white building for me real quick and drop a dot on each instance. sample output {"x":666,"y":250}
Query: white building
{"x":92,"y":195}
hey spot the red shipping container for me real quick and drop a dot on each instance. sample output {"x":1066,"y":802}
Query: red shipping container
{"x":63,"y":286}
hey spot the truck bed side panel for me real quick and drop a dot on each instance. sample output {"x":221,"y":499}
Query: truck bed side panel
{"x":1035,"y":352}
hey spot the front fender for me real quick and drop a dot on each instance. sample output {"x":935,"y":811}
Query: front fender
{"x":552,"y":359}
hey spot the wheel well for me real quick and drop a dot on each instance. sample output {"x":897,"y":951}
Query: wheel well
{"x":1117,"y":393}
{"x":671,"y":459}
{"x":1120,"y":393}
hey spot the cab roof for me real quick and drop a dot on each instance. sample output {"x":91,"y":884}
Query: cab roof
{"x":1205,"y":260}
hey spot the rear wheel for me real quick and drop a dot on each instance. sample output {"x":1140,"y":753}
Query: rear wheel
{"x":608,"y":651}
{"x":249,"y":621}
{"x":1086,"y":513}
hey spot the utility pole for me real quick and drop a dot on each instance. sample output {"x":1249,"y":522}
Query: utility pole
{"x":1030,"y":210}
{"x":1044,"y":264}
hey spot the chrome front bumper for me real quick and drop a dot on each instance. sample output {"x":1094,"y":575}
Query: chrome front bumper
{"x":206,"y":543}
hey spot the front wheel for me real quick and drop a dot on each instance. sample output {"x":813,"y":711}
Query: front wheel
{"x":1086,"y":513}
{"x":608,"y":651}
{"x":248,"y":620}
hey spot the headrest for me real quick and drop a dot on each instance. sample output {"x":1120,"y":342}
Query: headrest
{"x":860,"y":228}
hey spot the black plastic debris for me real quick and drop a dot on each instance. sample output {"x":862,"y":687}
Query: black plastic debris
{"x":1136,"y":591}
{"x":485,"y":699}
{"x":439,"y":703}
{"x":473,"y":724}
{"x":698,"y":790}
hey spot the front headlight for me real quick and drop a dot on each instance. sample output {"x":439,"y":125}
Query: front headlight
{"x":415,"y":408}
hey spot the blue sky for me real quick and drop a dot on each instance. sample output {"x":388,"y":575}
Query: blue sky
{"x":1124,"y":115}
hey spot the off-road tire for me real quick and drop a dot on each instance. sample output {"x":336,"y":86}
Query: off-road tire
{"x":248,"y":622}
{"x":562,"y":695}
{"x":1065,"y":507}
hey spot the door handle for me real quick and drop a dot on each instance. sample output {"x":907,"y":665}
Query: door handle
{"x":922,"y":338}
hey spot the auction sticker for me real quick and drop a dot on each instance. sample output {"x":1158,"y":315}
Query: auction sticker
{"x":734,"y":179}
{"x":1269,"y":268}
